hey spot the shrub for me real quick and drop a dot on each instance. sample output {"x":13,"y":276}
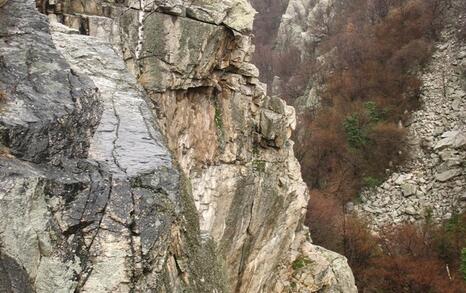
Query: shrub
{"x":355,"y":132}
{"x":373,"y":112}
{"x":300,"y":263}
{"x":325,"y":221}
{"x":386,"y":148}
{"x":406,"y":258}
{"x":371,"y":182}
{"x":371,"y":87}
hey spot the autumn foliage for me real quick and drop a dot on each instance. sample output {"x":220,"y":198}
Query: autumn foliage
{"x":369,"y":91}
{"x":357,"y":136}
{"x":408,"y":258}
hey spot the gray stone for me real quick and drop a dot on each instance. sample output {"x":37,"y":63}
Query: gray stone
{"x":408,"y":189}
{"x":410,"y":210}
{"x":13,"y":277}
{"x":447,"y":175}
{"x":349,"y":207}
{"x":463,"y":196}
{"x":119,"y":205}
{"x":451,"y":139}
{"x":51,"y":101}
{"x":236,"y":14}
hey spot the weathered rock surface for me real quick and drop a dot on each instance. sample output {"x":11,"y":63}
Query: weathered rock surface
{"x":103,"y":207}
{"x":434,"y":180}
{"x":50,"y":101}
{"x":100,"y":207}
{"x":306,"y":23}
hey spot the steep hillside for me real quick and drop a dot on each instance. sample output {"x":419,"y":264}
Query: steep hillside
{"x":433,"y":182}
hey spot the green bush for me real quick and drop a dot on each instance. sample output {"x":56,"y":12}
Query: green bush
{"x":300,"y":263}
{"x":355,"y":133}
{"x":371,"y":182}
{"x":373,"y":112}
{"x":259,"y":166}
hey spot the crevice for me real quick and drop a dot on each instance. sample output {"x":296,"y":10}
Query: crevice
{"x":136,"y":250}
{"x":117,"y":133}
{"x":86,"y":268}
{"x":141,"y":19}
{"x":78,"y":227}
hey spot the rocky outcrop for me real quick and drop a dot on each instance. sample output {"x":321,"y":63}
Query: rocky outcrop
{"x":104,"y":206}
{"x":433,"y":182}
{"x":233,"y":143}
{"x":306,"y":23}
{"x":91,"y":200}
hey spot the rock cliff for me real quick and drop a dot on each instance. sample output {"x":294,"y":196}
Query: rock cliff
{"x":141,"y":154}
{"x":306,"y":23}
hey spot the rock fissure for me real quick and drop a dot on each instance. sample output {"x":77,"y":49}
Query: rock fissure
{"x":115,"y":140}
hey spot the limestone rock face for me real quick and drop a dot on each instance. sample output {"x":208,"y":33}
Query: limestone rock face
{"x":433,"y":182}
{"x":90,"y":198}
{"x":51,"y":101}
{"x":236,"y":14}
{"x":156,"y":163}
{"x":306,"y":22}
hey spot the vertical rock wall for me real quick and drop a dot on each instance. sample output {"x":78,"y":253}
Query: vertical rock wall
{"x":90,"y":198}
{"x":237,"y":216}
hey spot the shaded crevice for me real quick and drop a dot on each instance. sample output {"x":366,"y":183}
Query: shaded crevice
{"x":86,"y":267}
{"x":75,"y":228}
{"x":117,"y":133}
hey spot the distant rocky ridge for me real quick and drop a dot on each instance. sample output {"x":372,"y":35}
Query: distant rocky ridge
{"x":306,"y":22}
{"x":145,"y":155}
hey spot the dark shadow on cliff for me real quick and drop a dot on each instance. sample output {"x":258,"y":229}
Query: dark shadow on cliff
{"x":13,"y":277}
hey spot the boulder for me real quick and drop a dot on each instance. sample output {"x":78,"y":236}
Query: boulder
{"x":448,"y":174}
{"x":451,"y":139}
{"x":408,"y":189}
{"x":236,"y":14}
